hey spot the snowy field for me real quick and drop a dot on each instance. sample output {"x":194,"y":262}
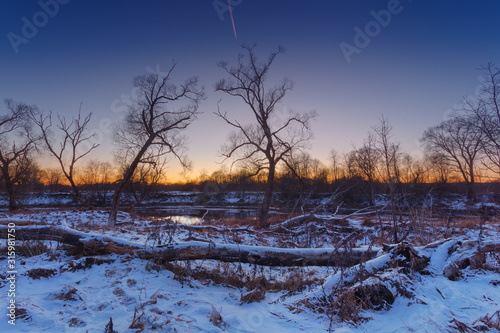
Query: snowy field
{"x":443,"y":278}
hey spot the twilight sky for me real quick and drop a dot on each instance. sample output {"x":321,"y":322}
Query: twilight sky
{"x":413,"y":64}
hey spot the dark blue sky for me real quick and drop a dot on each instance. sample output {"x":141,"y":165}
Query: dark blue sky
{"x":414,"y":69}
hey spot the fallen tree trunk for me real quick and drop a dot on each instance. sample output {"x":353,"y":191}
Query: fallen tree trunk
{"x":87,"y":244}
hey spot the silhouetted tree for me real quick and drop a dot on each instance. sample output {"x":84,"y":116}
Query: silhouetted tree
{"x":153,"y":125}
{"x":97,"y":177}
{"x":17,"y":144}
{"x":74,"y":144}
{"x":459,"y":141}
{"x":335,"y":166}
{"x":439,"y":167}
{"x":52,"y":177}
{"x":365,"y":161}
{"x":486,"y":107}
{"x":271,"y":138}
{"x":389,"y":152}
{"x":411,"y":170}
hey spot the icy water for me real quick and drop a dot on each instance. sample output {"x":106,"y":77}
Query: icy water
{"x":195,"y":214}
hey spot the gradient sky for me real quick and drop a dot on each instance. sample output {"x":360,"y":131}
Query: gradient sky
{"x":414,"y":70}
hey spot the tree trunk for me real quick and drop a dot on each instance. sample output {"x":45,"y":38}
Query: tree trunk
{"x":114,"y":208}
{"x":76,"y":192}
{"x":372,"y":192}
{"x":69,"y":177}
{"x":395,"y":224}
{"x":126,"y":178}
{"x":194,"y":250}
{"x":471,"y":191}
{"x":11,"y":188}
{"x":264,"y":210}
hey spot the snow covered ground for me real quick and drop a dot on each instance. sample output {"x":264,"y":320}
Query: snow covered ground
{"x":59,"y":292}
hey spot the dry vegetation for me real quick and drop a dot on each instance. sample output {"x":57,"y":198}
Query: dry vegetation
{"x":358,"y":292}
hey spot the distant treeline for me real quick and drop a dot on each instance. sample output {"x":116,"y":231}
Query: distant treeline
{"x":355,"y":189}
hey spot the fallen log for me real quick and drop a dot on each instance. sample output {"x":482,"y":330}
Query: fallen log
{"x":91,"y":244}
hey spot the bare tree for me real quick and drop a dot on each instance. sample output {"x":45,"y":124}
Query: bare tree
{"x":389,"y":152}
{"x":146,"y":178}
{"x":311,"y":173}
{"x":153,"y":125}
{"x":52,"y":177}
{"x":74,"y":144}
{"x":486,"y":107}
{"x":365,"y":160}
{"x":97,"y":177}
{"x":97,"y":173}
{"x":335,"y":166}
{"x":459,"y":141}
{"x":267,"y":141}
{"x":17,"y":144}
{"x":411,"y":170}
{"x":439,"y":167}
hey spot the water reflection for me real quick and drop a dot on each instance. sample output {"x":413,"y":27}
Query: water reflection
{"x":193,"y":215}
{"x":183,"y":219}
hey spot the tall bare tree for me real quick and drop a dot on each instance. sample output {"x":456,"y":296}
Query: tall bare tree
{"x":365,"y":161}
{"x":268,"y":140}
{"x":459,"y":141}
{"x":390,"y":153}
{"x":438,"y":167}
{"x":17,"y":144}
{"x":411,"y":170}
{"x":75,"y":142}
{"x":486,"y":107}
{"x":335,"y":166}
{"x":153,"y":125}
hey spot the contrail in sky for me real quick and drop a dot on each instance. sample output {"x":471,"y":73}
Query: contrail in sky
{"x":232,"y":20}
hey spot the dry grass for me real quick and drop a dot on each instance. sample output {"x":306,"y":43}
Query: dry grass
{"x":348,"y":307}
{"x":137,"y":321}
{"x":109,"y":327}
{"x":491,"y":322}
{"x":32,"y":248}
{"x":216,"y":319}
{"x":76,"y":322}
{"x":246,"y":221}
{"x":85,"y":264}
{"x":238,"y":222}
{"x":293,"y":279}
{"x":37,"y":273}
{"x":255,"y":295}
{"x":69,"y":293}
{"x":347,"y":303}
{"x":467,"y":223}
{"x":22,"y":313}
